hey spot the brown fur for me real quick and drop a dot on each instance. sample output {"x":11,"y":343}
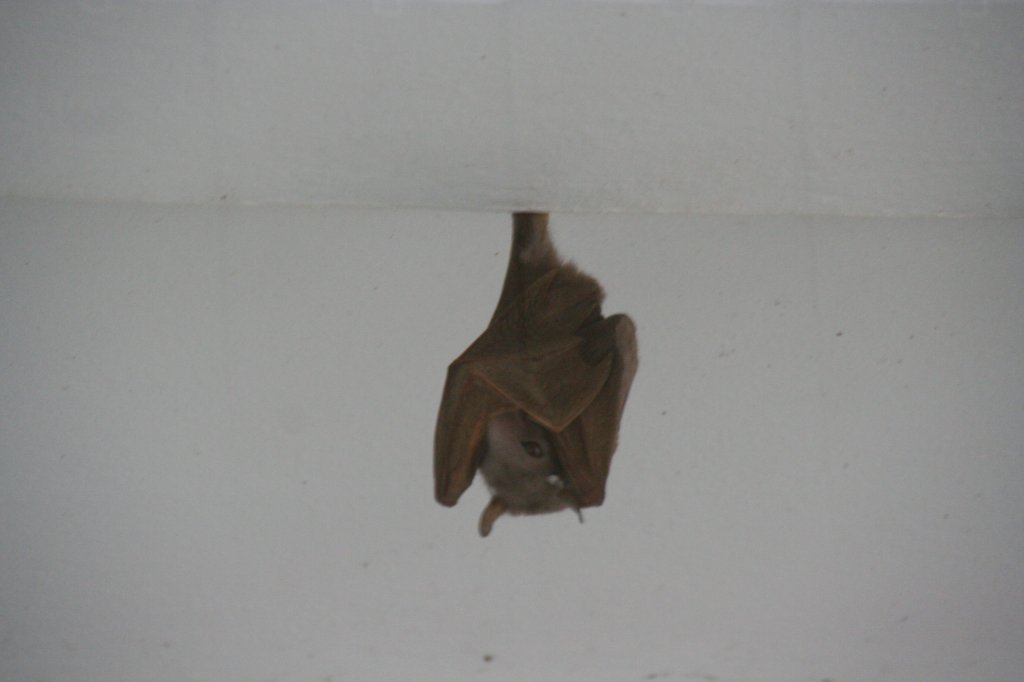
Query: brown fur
{"x":550,"y":356}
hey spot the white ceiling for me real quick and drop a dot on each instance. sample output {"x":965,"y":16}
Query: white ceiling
{"x":846,"y":108}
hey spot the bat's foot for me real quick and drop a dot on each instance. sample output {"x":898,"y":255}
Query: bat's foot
{"x":579,"y":513}
{"x":495,"y":508}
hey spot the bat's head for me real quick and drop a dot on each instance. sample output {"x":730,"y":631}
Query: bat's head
{"x":520,"y":466}
{"x":520,"y":445}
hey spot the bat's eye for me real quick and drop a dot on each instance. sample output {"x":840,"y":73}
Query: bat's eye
{"x":532,"y":448}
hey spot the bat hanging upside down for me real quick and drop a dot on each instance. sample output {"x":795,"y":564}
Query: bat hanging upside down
{"x":535,"y":402}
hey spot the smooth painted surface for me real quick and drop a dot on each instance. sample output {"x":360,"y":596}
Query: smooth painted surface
{"x":849,"y":108}
{"x":216,"y":418}
{"x":216,"y":428}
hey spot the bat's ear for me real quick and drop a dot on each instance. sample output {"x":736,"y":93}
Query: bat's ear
{"x":492,"y":511}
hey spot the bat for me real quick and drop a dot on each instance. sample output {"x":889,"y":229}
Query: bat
{"x":536,"y":401}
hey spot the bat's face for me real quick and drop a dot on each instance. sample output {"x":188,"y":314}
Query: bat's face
{"x":520,"y":466}
{"x":520,"y":444}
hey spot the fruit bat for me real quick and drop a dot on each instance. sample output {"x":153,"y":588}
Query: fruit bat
{"x":535,"y":402}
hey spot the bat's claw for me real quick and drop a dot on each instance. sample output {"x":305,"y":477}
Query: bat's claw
{"x":573,"y":504}
{"x":495,"y":508}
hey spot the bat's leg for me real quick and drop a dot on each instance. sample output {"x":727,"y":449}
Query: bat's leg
{"x":492,"y":511}
{"x":615,"y":334}
{"x":531,"y":245}
{"x":531,"y":256}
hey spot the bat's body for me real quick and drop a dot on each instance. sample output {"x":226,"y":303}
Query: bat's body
{"x":535,"y":402}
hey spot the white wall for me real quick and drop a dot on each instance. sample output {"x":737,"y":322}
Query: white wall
{"x":216,"y":418}
{"x":217,"y":428}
